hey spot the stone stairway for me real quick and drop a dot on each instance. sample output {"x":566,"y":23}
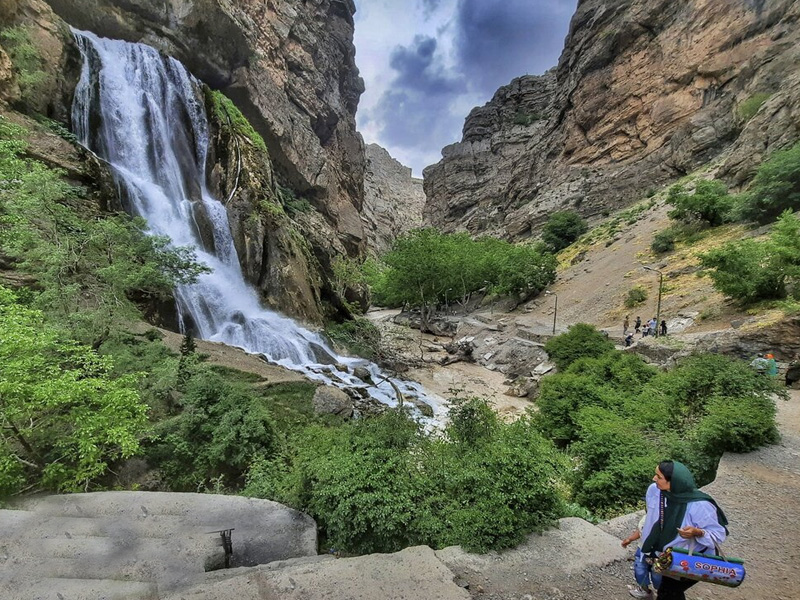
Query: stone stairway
{"x":141,"y":545}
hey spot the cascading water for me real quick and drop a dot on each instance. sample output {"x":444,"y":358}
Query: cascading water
{"x":144,"y":114}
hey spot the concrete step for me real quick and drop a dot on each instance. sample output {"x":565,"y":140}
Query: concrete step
{"x":79,"y":589}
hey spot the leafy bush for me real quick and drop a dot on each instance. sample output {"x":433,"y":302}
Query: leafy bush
{"x":775,"y":189}
{"x":90,"y":269}
{"x":710,"y":203}
{"x":750,"y":271}
{"x":748,"y":109}
{"x":426,"y":268}
{"x":563,"y":228}
{"x":65,"y":418}
{"x":221,"y":429}
{"x":635,"y":297}
{"x":378,"y":485}
{"x":664,"y":241}
{"x":581,"y":340}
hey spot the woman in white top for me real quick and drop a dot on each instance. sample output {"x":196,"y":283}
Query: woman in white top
{"x":677,"y":513}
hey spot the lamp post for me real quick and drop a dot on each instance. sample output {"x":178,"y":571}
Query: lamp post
{"x":660,"y":285}
{"x":555,"y":308}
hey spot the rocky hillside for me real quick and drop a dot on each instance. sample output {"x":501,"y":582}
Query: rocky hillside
{"x":644,"y":93}
{"x":393,"y":199}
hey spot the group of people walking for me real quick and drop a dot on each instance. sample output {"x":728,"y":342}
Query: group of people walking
{"x":652,"y":327}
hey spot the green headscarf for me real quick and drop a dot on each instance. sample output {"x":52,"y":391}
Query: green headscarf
{"x":683,"y":490}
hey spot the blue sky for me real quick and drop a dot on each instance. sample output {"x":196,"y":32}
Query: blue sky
{"x":427,"y":63}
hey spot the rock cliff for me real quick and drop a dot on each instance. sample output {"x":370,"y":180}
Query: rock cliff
{"x":644,"y":93}
{"x":393,"y":199}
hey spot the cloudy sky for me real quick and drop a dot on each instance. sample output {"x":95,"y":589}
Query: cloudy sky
{"x":426,"y":63}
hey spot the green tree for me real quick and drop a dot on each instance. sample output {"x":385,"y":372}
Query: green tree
{"x":710,"y":203}
{"x":219,"y":432}
{"x":750,"y":271}
{"x":91,"y":269}
{"x":64,"y":418}
{"x":581,"y":340}
{"x":775,"y":188}
{"x":563,"y":228}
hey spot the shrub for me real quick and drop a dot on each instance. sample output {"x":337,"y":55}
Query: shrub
{"x":776,"y":188}
{"x":710,"y":203}
{"x":221,"y":429}
{"x":664,"y":241}
{"x":738,"y":424}
{"x":360,"y":336}
{"x":563,"y":228}
{"x":377,"y":485}
{"x":581,"y":340}
{"x":748,"y":109}
{"x":65,"y":417}
{"x":747,"y":271}
{"x":635,"y":297}
{"x":426,"y":268}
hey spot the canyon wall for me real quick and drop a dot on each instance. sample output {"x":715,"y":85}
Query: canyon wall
{"x":644,"y":93}
{"x":393,"y":199}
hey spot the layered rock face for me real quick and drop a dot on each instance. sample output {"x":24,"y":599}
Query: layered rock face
{"x":644,"y":93}
{"x":393,"y":199}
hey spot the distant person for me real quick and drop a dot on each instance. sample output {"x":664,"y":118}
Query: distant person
{"x":652,"y":324}
{"x":625,"y":325}
{"x":638,"y":325}
{"x":772,"y":365}
{"x":759,"y":364}
{"x":629,"y":340}
{"x":663,"y":327}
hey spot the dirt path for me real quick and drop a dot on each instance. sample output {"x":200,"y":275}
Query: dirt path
{"x":760,"y":493}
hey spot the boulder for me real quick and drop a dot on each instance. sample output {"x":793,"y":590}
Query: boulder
{"x":329,"y":400}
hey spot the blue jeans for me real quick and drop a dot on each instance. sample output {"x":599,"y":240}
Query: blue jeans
{"x":643,"y":572}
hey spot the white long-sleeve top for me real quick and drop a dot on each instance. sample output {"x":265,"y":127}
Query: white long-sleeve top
{"x":701,"y":514}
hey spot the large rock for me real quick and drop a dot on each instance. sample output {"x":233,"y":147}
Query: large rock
{"x":329,"y":400}
{"x":411,"y":574}
{"x":138,"y":544}
{"x":393,"y":199}
{"x":644,"y":93}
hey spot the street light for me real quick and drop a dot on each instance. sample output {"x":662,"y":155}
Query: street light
{"x":555,"y":308}
{"x":660,"y":286}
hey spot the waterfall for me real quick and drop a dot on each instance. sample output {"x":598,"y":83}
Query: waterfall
{"x":144,"y":114}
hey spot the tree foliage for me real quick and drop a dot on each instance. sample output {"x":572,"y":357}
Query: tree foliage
{"x":581,"y":340}
{"x":426,"y":268}
{"x":221,"y":428}
{"x":710,"y":203}
{"x":618,"y":417}
{"x":90,"y":269}
{"x":64,"y":417}
{"x":775,"y":189}
{"x":563,"y":228}
{"x":379,"y":485}
{"x":750,"y":271}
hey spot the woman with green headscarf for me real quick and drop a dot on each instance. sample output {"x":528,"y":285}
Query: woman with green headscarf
{"x":677,"y":515}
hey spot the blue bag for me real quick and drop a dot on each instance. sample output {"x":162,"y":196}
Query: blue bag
{"x":682,"y":563}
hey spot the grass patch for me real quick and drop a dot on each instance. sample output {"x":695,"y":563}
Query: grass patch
{"x":748,"y":109}
{"x":225,"y":111}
